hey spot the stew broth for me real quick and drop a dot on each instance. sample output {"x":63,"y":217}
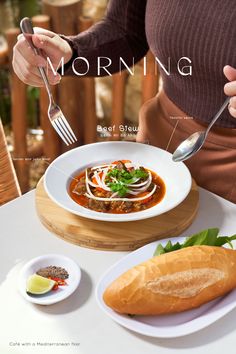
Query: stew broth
{"x":118,"y":207}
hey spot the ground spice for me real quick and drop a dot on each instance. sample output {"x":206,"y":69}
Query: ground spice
{"x":53,"y":272}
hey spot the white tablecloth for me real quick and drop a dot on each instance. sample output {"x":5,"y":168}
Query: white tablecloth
{"x":77,"y":325}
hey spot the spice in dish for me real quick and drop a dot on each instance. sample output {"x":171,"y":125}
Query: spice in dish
{"x":53,"y":272}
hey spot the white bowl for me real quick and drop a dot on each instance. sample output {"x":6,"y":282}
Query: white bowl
{"x":176,"y":176}
{"x":44,"y":261}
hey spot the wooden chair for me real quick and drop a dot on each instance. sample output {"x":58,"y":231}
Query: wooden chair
{"x":9,"y":186}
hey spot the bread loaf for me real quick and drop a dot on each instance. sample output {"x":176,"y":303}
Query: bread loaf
{"x":174,"y":282}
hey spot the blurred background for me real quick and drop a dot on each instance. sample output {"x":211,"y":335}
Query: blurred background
{"x":90,"y":105}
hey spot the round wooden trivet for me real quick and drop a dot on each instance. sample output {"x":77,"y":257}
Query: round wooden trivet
{"x":120,"y":236}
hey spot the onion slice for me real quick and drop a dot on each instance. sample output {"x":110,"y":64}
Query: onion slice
{"x":122,"y":199}
{"x":101,"y":166}
{"x":133,"y":189}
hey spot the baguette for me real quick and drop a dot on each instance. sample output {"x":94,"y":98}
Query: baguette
{"x":174,"y":282}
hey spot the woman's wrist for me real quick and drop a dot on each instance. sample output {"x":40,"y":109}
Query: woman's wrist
{"x":68,"y":52}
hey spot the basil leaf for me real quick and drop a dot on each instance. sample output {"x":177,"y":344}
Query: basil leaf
{"x":159,"y":250}
{"x":225,"y":239}
{"x":207,"y":237}
{"x":168,"y":246}
{"x":212,"y":235}
{"x":175,"y":247}
{"x":195,"y":239}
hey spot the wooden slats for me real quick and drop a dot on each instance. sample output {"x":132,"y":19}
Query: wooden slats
{"x":88,"y":96}
{"x":9,"y":187}
{"x":19,"y":115}
{"x":3,"y":51}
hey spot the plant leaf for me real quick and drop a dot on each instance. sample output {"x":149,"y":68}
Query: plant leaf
{"x":207,"y":237}
{"x":225,"y":239}
{"x":175,"y":247}
{"x":159,"y":250}
{"x":168,"y":246}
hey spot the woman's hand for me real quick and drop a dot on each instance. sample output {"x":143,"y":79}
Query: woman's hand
{"x":25,"y":62}
{"x":230,"y":88}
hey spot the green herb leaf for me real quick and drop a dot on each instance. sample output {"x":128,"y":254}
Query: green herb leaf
{"x":169,"y":246}
{"x":175,"y":247}
{"x":140,"y":173}
{"x":118,"y":187}
{"x":113,"y":173}
{"x":207,"y":237}
{"x":127,"y":177}
{"x":159,"y":250}
{"x":123,"y":178}
{"x":225,"y":239}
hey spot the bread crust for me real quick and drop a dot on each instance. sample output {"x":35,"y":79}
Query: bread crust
{"x":174,"y":282}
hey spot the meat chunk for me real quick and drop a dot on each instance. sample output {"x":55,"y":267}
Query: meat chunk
{"x":98,"y":205}
{"x":121,"y":166}
{"x":150,"y":188}
{"x":121,"y":206}
{"x":80,"y":187}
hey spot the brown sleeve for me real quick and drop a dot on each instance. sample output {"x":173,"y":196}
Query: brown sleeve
{"x":120,"y":34}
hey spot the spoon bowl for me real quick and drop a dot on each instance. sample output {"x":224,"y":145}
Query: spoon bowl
{"x":194,"y":142}
{"x":189,"y":146}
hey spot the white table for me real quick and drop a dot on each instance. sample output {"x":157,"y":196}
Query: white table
{"x":78,"y":322}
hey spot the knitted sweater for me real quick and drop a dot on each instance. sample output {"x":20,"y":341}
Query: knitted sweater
{"x":192,"y":41}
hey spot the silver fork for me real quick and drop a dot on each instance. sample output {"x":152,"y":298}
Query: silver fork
{"x":55,"y":115}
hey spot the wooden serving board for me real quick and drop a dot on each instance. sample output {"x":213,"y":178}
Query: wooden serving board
{"x":120,"y":236}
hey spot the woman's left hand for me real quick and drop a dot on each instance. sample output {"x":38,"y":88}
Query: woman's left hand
{"x":230,"y":88}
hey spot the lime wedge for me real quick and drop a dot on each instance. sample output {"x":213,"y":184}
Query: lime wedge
{"x":38,"y":285}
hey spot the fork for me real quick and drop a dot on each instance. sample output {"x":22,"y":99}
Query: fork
{"x":55,"y":115}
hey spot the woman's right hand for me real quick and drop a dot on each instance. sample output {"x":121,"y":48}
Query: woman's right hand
{"x":25,"y":62}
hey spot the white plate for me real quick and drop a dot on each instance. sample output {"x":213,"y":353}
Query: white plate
{"x":175,"y":175}
{"x":165,"y":326}
{"x":44,"y":261}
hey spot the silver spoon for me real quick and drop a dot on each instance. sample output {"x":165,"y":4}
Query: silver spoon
{"x":194,"y":142}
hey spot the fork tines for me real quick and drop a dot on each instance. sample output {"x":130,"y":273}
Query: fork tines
{"x":64,"y":130}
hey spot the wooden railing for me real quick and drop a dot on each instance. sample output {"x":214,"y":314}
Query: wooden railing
{"x":76,"y":96}
{"x":9,"y":187}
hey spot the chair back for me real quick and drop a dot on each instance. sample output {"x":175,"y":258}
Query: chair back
{"x":9,"y":186}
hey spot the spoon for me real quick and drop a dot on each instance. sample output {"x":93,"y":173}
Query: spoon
{"x":194,"y":142}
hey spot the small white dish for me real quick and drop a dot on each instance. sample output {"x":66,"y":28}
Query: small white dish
{"x":51,"y":297}
{"x":165,"y":326}
{"x":176,"y":176}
